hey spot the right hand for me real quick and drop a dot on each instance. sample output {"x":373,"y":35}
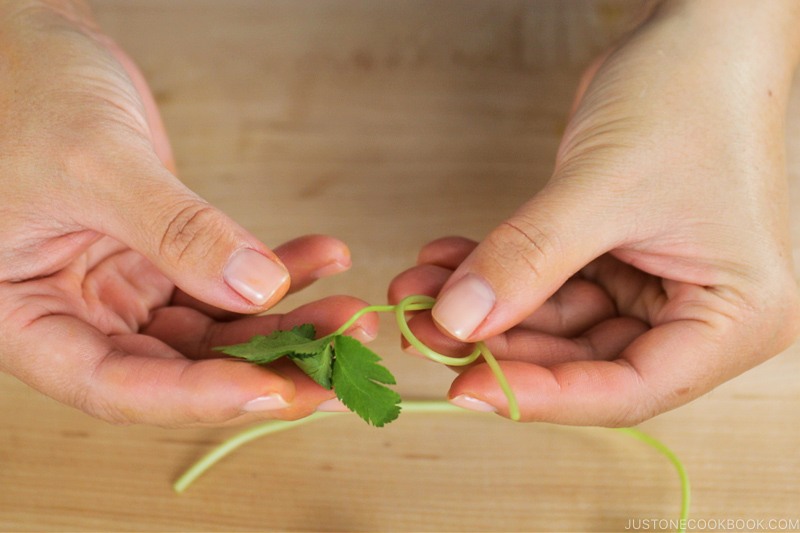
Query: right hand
{"x":656,"y":263}
{"x":99,"y":241}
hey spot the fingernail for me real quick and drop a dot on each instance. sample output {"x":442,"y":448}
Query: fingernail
{"x":473,"y":404}
{"x":330,"y":269}
{"x":462,"y":307}
{"x":270,"y":402}
{"x":254,"y":276}
{"x":334,"y":405}
{"x":359,"y":333}
{"x":409,"y":348}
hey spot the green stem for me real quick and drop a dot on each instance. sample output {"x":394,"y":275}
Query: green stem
{"x":686,"y":490}
{"x":427,"y":407}
{"x":419,"y":302}
{"x":276,"y":426}
{"x":415,"y":302}
{"x":513,"y":406}
{"x":240,"y":439}
{"x":371,"y":309}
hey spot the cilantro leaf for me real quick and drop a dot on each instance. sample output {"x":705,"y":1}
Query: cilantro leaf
{"x":319,"y":366}
{"x":305,"y":330}
{"x":358,"y":381}
{"x":263,"y":349}
{"x":338,"y":362}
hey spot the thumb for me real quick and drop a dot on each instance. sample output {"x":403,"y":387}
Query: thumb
{"x":200,"y":249}
{"x":522,"y":262}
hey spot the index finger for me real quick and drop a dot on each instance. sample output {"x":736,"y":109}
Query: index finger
{"x":662,"y":369}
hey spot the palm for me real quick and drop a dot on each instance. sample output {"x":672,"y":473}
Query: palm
{"x":109,"y":334}
{"x":601,"y":324}
{"x":88,"y":320}
{"x":652,"y":267}
{"x":108,"y":287}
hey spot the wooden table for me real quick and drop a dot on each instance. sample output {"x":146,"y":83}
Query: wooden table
{"x":386,"y":124}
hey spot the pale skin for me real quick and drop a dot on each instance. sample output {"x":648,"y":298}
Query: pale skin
{"x":656,"y":263}
{"x":654,"y":266}
{"x":115,"y":279}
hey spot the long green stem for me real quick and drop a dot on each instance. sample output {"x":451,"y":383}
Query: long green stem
{"x":373,"y":309}
{"x":276,"y":426}
{"x":419,"y":302}
{"x":428,"y":407}
{"x":513,"y":406}
{"x":415,"y":302}
{"x":686,"y":490}
{"x":240,"y":439}
{"x":424,"y":302}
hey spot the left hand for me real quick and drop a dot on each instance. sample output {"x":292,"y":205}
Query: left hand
{"x":110,"y":335}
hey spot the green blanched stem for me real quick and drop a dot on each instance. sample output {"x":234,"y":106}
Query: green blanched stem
{"x":276,"y":426}
{"x":371,"y":309}
{"x":686,"y":490}
{"x":415,"y":301}
{"x":240,"y":439}
{"x":419,"y":302}
{"x":513,"y":406}
{"x":427,"y":407}
{"x":412,"y":303}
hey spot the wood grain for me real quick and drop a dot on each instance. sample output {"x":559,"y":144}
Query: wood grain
{"x":386,"y":124}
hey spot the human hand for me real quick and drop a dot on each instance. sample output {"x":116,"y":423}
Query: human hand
{"x":656,"y":263}
{"x":109,"y":334}
{"x":96,"y":233}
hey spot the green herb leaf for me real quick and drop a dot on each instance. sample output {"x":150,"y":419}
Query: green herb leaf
{"x":319,"y":366}
{"x":263,"y":349}
{"x":336,"y":361}
{"x":305,"y":330}
{"x":358,"y":381}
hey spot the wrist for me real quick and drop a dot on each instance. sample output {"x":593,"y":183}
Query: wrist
{"x":735,"y":50}
{"x":767,"y":28}
{"x":75,"y":11}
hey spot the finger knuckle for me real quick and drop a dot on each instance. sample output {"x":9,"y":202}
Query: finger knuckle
{"x":629,"y":416}
{"x":784,"y":314}
{"x":86,"y":400}
{"x":190,"y":232}
{"x":641,"y":403}
{"x":522,"y":240}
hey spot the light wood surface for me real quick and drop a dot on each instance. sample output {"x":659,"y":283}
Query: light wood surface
{"x":387,"y":124}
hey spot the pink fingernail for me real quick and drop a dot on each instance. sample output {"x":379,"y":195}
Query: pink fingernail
{"x":410,"y":350}
{"x":270,"y":402}
{"x":254,"y":276}
{"x":462,"y":307}
{"x":358,"y":332}
{"x":473,"y":404}
{"x":337,"y":267}
{"x":334,"y":405}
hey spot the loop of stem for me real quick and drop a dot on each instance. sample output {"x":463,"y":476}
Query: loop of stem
{"x":414,"y":303}
{"x":513,"y":406}
{"x":374,"y":309}
{"x":418,"y":302}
